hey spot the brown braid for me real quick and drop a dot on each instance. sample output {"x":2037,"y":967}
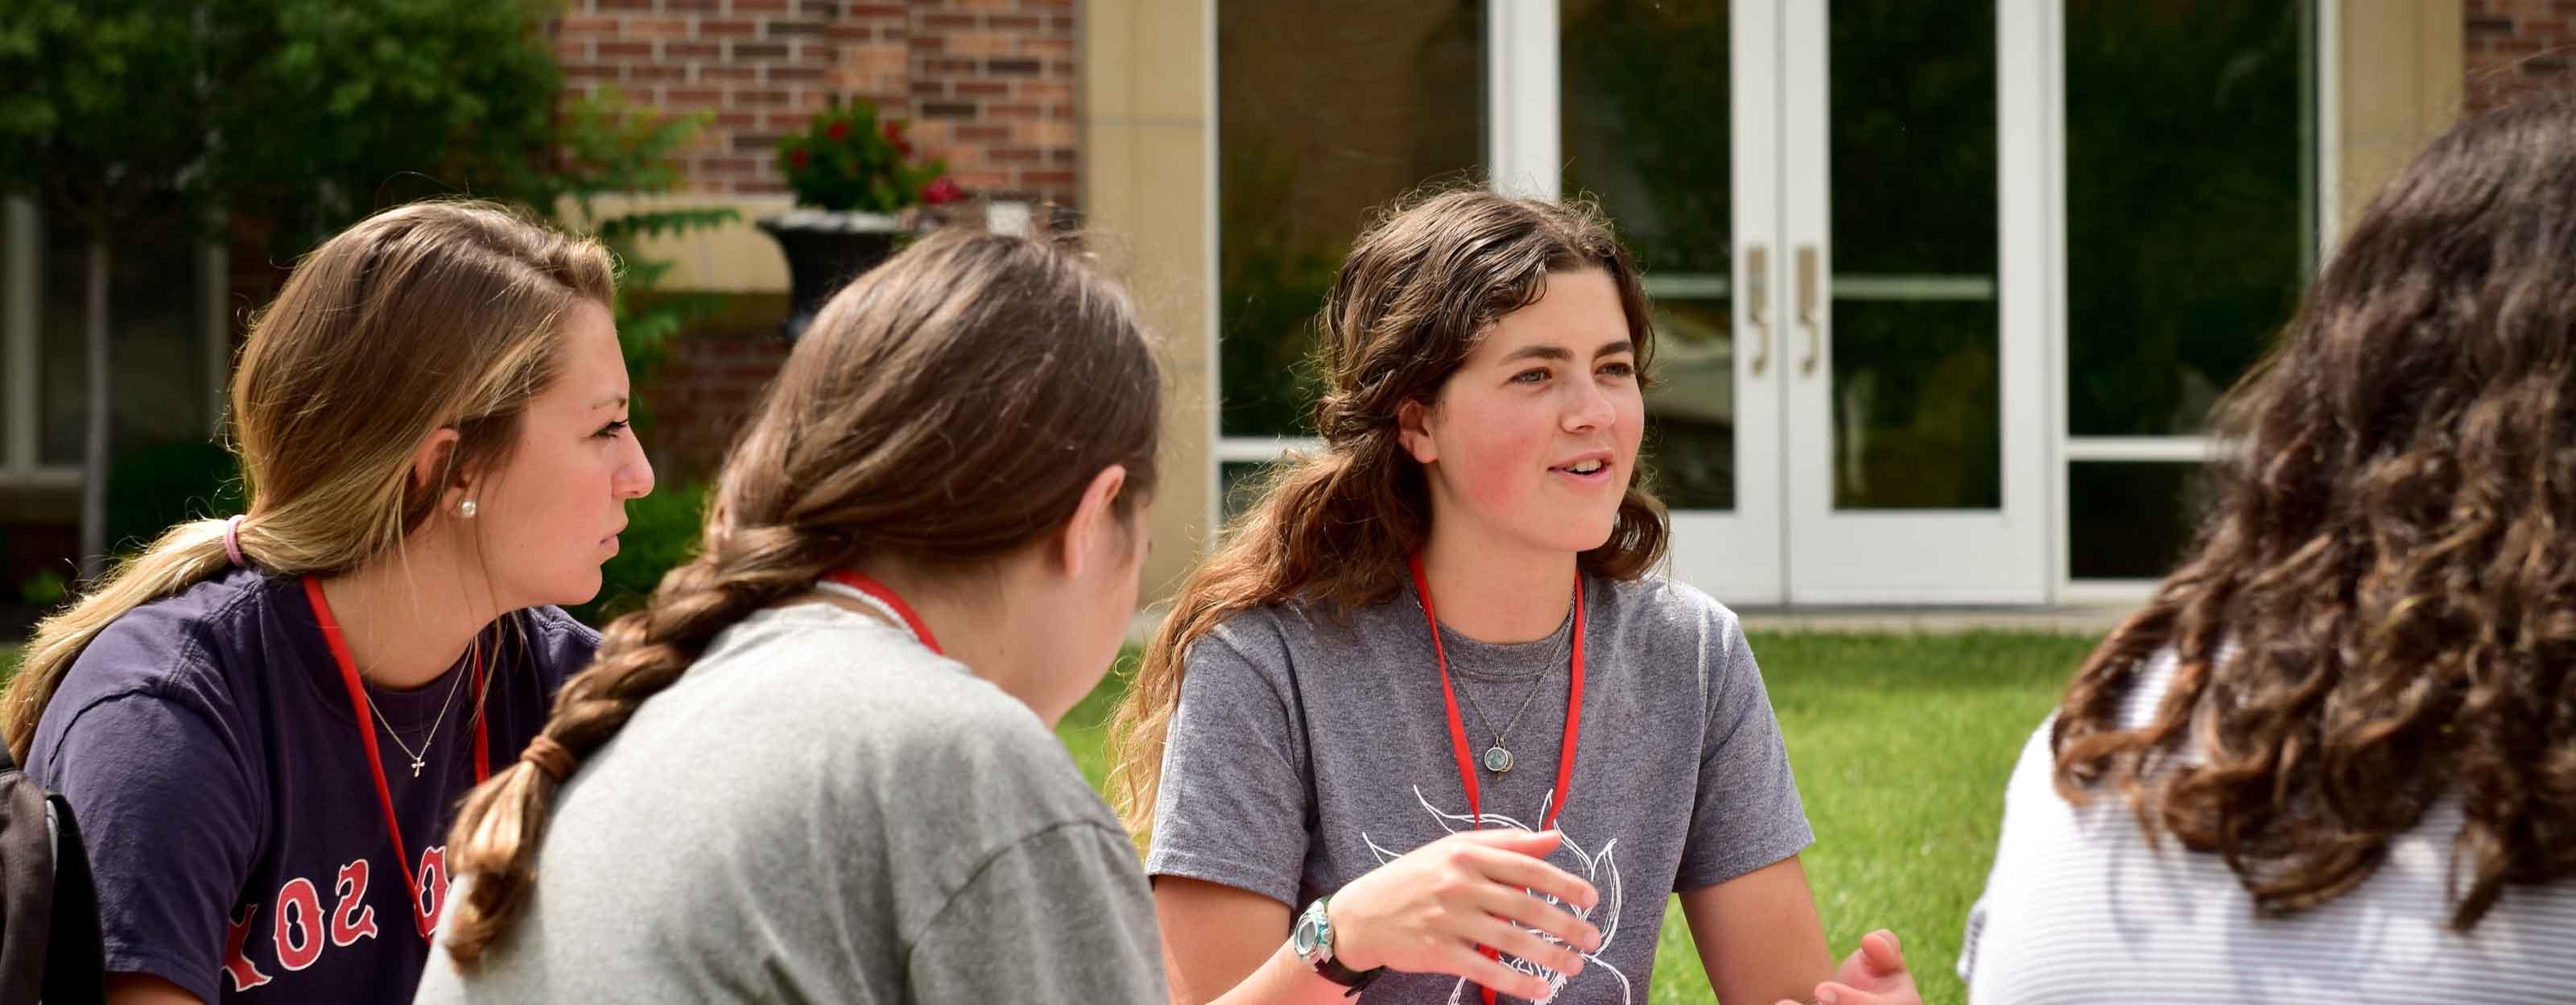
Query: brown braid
{"x":970,"y":367}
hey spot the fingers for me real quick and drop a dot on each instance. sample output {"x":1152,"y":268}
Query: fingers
{"x":1516,"y":906}
{"x":1514,"y":869}
{"x":1528,"y":945}
{"x":1473,"y":966}
{"x":1882,"y":953}
{"x":1836,"y":993}
{"x":1537,"y":843}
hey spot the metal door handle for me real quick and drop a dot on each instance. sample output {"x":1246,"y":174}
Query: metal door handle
{"x":1757,"y":302}
{"x":1807,"y":307}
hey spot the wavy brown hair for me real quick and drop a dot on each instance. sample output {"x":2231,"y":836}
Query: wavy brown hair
{"x":1002,"y":373}
{"x":2380,"y":611}
{"x":1421,"y":287}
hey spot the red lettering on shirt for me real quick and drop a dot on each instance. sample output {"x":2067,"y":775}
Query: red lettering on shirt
{"x":299,"y":912}
{"x":245,"y":974}
{"x":354,"y":919}
{"x":433,"y":888}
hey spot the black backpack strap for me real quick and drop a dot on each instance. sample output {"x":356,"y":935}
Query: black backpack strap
{"x":75,"y":958}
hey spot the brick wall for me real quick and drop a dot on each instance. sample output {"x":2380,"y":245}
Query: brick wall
{"x":987,"y":85}
{"x":2512,"y":46}
{"x":704,"y":392}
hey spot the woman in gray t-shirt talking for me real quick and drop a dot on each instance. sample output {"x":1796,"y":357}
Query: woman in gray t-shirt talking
{"x":818,"y":766}
{"x":1428,"y":701}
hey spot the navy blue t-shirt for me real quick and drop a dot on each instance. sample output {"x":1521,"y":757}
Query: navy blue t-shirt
{"x":207,"y":744}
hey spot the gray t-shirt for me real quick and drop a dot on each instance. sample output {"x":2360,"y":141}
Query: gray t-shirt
{"x":1308,"y":750}
{"x":822,"y":810}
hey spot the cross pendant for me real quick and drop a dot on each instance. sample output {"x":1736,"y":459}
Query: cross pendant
{"x":415,"y":767}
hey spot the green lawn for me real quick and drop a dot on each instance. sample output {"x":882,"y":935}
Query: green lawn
{"x":1902,"y":745}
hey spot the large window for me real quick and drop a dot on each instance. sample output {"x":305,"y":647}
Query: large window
{"x":1324,"y":111}
{"x":2191,"y":205}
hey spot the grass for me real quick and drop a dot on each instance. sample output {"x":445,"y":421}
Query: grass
{"x":1902,"y":745}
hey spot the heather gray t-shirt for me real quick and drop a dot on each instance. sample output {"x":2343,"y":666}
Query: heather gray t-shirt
{"x":1307,"y":752}
{"x":821,"y":810}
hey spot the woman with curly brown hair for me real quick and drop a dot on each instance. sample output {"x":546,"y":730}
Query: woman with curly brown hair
{"x":2353,"y":706}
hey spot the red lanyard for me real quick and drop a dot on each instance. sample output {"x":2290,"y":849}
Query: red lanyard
{"x":1458,"y":726}
{"x":868,"y":585}
{"x":424,"y":920}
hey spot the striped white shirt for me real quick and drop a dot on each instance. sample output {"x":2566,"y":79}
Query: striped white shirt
{"x":2080,"y":908}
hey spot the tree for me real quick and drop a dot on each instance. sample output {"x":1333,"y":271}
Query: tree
{"x":306,"y":113}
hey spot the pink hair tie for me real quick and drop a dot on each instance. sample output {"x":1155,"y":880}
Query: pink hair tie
{"x":232,"y":540}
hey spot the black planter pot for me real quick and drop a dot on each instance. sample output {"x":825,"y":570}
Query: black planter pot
{"x":825,"y":250}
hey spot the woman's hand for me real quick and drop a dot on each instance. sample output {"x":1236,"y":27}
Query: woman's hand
{"x":1874,"y":974}
{"x":1430,"y":909}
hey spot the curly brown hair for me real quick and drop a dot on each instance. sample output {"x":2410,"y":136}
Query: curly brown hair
{"x":1421,"y":287}
{"x":2380,"y":611}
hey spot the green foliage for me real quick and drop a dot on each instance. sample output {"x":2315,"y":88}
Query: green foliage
{"x":847,"y":160}
{"x":611,"y":146}
{"x":44,"y":589}
{"x":153,"y":485}
{"x":661,"y":532}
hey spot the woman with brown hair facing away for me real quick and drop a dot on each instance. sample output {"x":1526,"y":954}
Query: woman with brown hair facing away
{"x":820,"y":766}
{"x":262,"y":723}
{"x":1502,"y":786}
{"x":2353,"y":706}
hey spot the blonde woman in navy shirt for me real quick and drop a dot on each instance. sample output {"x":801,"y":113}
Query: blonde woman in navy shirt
{"x":262,"y":723}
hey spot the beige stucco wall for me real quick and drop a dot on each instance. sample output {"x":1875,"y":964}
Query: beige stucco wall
{"x":2400,"y":72}
{"x":1146,"y":195}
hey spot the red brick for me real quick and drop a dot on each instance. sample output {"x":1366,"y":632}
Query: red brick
{"x":950,"y":21}
{"x":657,"y":27}
{"x":589,"y":26}
{"x":736,"y":120}
{"x":625,"y":4}
{"x":1014,"y":22}
{"x":926,"y":43}
{"x":591,"y":72}
{"x":948,"y":109}
{"x":743,"y":51}
{"x":692,"y":98}
{"x":713,"y":27}
{"x":843,"y":31}
{"x":982,"y":88}
{"x":1020,"y":110}
{"x":929,"y":89}
{"x":786,"y":121}
{"x":755,"y":142}
{"x":983,"y":134}
{"x":768,"y":96}
{"x":759,"y":6}
{"x":625,"y":50}
{"x":873,"y":10}
{"x":798,"y":74}
{"x":1047,"y":177}
{"x":692,"y":6}
{"x":693,"y":50}
{"x":1011,"y":155}
{"x":717,"y":72}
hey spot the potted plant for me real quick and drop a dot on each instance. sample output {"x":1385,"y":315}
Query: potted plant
{"x":854,"y":176}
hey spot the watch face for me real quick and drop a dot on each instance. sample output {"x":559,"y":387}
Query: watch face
{"x":1309,"y":935}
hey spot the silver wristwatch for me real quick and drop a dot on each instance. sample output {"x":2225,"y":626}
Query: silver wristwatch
{"x":1312,"y":940}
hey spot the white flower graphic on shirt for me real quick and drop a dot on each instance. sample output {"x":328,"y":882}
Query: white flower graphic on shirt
{"x":1601,"y":868}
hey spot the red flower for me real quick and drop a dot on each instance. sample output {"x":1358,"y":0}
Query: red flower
{"x":837,"y":131}
{"x":893,"y":131}
{"x":942,"y":191}
{"x":798,"y":158}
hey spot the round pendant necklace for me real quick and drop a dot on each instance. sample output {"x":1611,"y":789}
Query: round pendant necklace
{"x":1498,"y":758}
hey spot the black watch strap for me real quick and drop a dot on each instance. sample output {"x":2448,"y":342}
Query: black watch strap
{"x":1355,"y":980}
